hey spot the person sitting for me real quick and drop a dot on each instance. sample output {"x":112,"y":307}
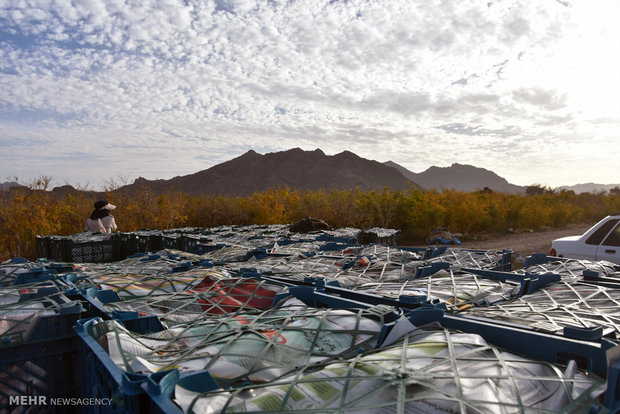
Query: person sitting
{"x":101,"y":219}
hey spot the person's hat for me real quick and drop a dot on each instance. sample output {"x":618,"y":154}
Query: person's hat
{"x":103,"y":204}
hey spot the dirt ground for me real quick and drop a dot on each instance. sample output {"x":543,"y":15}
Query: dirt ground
{"x":523,"y":244}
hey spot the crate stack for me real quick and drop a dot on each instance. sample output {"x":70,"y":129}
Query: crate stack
{"x":39,"y":305}
{"x":259,"y":319}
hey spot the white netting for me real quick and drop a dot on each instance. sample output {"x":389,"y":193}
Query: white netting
{"x":457,"y":289}
{"x":258,"y":347}
{"x":559,"y":305}
{"x":429,"y":372}
{"x":212,"y":296}
{"x":574,"y":268}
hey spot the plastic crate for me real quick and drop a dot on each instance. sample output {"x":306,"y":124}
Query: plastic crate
{"x":197,"y":244}
{"x":324,"y":237}
{"x":505,"y":263}
{"x":438,"y":253}
{"x":586,"y":346}
{"x":374,"y":237}
{"x":43,"y":246}
{"x":64,"y":249}
{"x":530,"y":282}
{"x":587,"y":349}
{"x":94,"y":252}
{"x":334,"y":246}
{"x":101,"y":378}
{"x":43,"y":326}
{"x":41,"y":367}
{"x":148,"y":242}
{"x":45,"y":369}
{"x":160,"y":388}
{"x":139,"y":242}
{"x":540,"y":258}
{"x":58,"y":249}
{"x":108,"y":378}
{"x":171,"y":241}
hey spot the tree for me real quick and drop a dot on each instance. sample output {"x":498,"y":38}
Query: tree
{"x":537,"y":189}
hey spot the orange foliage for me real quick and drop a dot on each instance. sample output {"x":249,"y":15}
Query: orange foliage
{"x":30,"y":211}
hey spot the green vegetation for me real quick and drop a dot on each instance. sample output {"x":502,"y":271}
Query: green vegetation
{"x":29,"y":211}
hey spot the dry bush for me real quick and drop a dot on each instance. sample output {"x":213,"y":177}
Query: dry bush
{"x":31,"y":210}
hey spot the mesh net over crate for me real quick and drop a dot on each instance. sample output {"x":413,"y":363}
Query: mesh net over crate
{"x":252,"y":347}
{"x":574,"y":268}
{"x":10,"y":269}
{"x":559,"y":305}
{"x":29,"y":310}
{"x":428,"y":372}
{"x":212,"y":296}
{"x":356,"y":266}
{"x":478,"y":259}
{"x":231,"y":253}
{"x":139,"y":285}
{"x":456,"y":289}
{"x":155,"y":264}
{"x":148,"y":276}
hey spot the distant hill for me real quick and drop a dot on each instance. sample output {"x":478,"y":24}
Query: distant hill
{"x":589,"y":188}
{"x":458,"y":177}
{"x":296,"y":168}
{"x":5,"y":186}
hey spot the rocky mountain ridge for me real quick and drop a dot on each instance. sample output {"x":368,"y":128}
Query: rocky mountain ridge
{"x":314,"y":170}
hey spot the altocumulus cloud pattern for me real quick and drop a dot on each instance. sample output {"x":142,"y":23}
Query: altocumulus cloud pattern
{"x":97,"y":88}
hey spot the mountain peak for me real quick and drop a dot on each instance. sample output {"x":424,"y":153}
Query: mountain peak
{"x":461,"y":177}
{"x":313,"y":170}
{"x":347,"y":155}
{"x":295,"y":168}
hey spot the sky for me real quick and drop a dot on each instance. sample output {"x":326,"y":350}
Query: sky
{"x":97,"y":92}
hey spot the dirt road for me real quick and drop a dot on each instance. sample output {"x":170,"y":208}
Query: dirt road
{"x":524,"y":244}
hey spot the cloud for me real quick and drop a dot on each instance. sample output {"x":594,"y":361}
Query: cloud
{"x":543,"y":99}
{"x":468,"y":130}
{"x":204,"y":76}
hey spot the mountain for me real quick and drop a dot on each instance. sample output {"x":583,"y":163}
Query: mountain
{"x":589,"y":188}
{"x":458,"y":177}
{"x":296,"y":168}
{"x":5,"y":186}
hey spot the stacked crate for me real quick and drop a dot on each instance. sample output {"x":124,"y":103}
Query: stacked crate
{"x":257,"y":319}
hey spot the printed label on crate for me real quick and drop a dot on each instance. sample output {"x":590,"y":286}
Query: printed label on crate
{"x":232,"y":295}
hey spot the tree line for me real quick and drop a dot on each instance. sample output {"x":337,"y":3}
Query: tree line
{"x":32,"y":210}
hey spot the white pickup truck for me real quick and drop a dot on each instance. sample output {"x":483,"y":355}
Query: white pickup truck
{"x":601,"y":242}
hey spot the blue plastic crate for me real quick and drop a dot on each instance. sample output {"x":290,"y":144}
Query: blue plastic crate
{"x":586,"y":347}
{"x":100,"y":377}
{"x":42,"y":327}
{"x":38,"y":367}
{"x":324,"y":237}
{"x":540,"y":258}
{"x":333,"y":246}
{"x":530,"y":282}
{"x":160,"y":388}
